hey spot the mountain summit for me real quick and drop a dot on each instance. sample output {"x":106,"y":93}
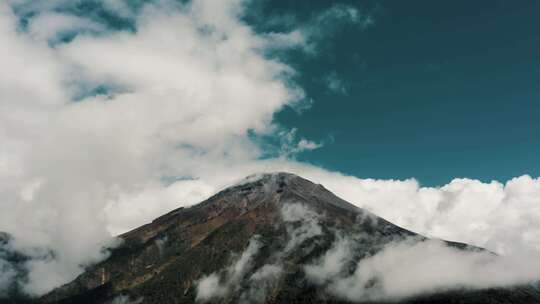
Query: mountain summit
{"x":272,"y":238}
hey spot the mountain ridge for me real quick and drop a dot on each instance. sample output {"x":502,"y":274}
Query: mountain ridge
{"x":265,"y":239}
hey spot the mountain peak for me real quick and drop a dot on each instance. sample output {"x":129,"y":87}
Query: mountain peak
{"x":268,"y":180}
{"x":258,"y":241}
{"x":270,"y":176}
{"x":282,"y":188}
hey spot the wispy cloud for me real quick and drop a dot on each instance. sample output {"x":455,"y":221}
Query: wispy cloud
{"x":335,"y":84}
{"x":219,"y":285}
{"x":365,"y":266}
{"x":311,"y":34}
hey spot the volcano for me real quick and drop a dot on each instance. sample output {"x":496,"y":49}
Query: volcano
{"x":273,"y":238}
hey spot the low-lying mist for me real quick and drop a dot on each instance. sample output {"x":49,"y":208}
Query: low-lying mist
{"x":402,"y":267}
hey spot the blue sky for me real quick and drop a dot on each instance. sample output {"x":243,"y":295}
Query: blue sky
{"x":432,"y":90}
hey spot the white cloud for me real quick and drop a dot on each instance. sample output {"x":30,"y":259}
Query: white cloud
{"x":305,"y":144}
{"x":290,"y":146}
{"x":119,"y":7}
{"x":340,"y":12}
{"x":125,"y":300}
{"x":309,"y":35}
{"x":190,"y":83}
{"x":129,"y":210}
{"x":48,"y":26}
{"x":309,"y":224}
{"x":409,"y":268}
{"x":399,"y":269}
{"x":330,"y":21}
{"x":331,"y":263}
{"x":501,"y":217}
{"x":335,"y":84}
{"x":260,"y":283}
{"x":266,"y":272}
{"x":301,"y":223}
{"x":211,"y":286}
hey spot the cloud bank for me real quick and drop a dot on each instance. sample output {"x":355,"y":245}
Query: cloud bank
{"x":365,"y":266}
{"x":411,"y":267}
{"x":104,"y":129}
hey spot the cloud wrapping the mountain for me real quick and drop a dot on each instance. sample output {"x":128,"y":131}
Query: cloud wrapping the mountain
{"x":331,"y":263}
{"x":104,"y":132}
{"x":387,"y":269}
{"x":308,"y":220}
{"x":214,"y":286}
{"x":301,"y":224}
{"x":411,"y":267}
{"x":261,"y":283}
{"x":225,"y":282}
{"x":502,"y":217}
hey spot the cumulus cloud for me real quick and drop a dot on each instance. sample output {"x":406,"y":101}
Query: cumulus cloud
{"x":370,"y":267}
{"x":411,"y":267}
{"x":127,"y":210}
{"x":500,"y":217}
{"x":189,"y":84}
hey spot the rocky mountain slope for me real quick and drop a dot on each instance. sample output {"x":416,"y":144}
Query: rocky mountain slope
{"x":275,"y":238}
